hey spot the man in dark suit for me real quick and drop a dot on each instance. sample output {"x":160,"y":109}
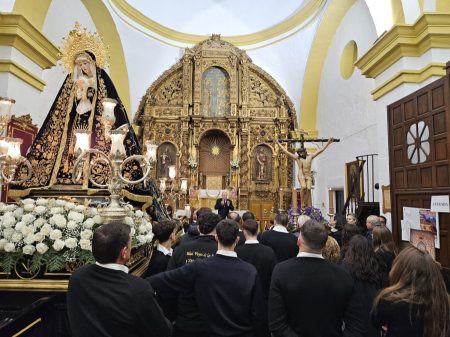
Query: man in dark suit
{"x":227,"y":289}
{"x":224,"y":206}
{"x":283,"y":243}
{"x":260,"y":256}
{"x":303,"y":287}
{"x":165,"y":232}
{"x":240,"y":221}
{"x":104,"y":300}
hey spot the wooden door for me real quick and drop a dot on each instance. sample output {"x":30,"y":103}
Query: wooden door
{"x":261,"y":210}
{"x":419,"y":148}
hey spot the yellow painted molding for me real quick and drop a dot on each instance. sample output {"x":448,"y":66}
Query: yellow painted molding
{"x":442,"y":6}
{"x":431,"y":30}
{"x":16,"y":69}
{"x":311,"y":149}
{"x":242,"y":40}
{"x":398,"y":15}
{"x":409,"y":76}
{"x":18,"y":32}
{"x":421,"y":3}
{"x":35,"y":11}
{"x":324,"y":36}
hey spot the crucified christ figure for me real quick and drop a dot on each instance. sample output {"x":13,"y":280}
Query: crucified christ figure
{"x":304,"y":169}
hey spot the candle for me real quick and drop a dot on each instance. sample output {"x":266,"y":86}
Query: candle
{"x":294,"y":200}
{"x":281,"y":198}
{"x":14,"y":148}
{"x":117,"y":138}
{"x":3,"y":145}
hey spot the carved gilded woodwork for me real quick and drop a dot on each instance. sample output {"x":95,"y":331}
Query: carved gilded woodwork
{"x":171,"y":91}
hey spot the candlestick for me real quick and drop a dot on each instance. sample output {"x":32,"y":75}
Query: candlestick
{"x":281,"y":198}
{"x":294,"y":200}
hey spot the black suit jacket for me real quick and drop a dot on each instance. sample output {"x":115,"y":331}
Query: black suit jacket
{"x":302,"y":289}
{"x":223,"y":210}
{"x":106,"y":302}
{"x":228,"y":293}
{"x":158,"y":263}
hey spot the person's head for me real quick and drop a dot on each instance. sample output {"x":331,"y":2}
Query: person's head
{"x":234,"y":216}
{"x":302,"y":153}
{"x":272,"y":218}
{"x":165,"y":230}
{"x":416,"y":279}
{"x":207,"y":223}
{"x":281,"y":220}
{"x":224,"y":195}
{"x":251,"y":229}
{"x":382,"y":220}
{"x":194,"y":215}
{"x":227,"y":233}
{"x":84,"y":63}
{"x":248,"y":215}
{"x":331,"y":251}
{"x":301,"y":220}
{"x":313,"y":237}
{"x":112,"y":243}
{"x":382,"y":238}
{"x":362,"y":259}
{"x":372,"y":221}
{"x":169,"y":210}
{"x":202,"y":210}
{"x":351,"y":219}
{"x":348,"y":233}
{"x":338,"y":221}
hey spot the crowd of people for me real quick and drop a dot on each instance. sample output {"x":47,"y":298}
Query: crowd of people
{"x":225,"y":278}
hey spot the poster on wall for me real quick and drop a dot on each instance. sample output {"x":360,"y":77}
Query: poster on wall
{"x":424,"y":241}
{"x":423,"y":220}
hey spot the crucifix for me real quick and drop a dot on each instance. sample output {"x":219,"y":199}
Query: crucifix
{"x":304,"y":162}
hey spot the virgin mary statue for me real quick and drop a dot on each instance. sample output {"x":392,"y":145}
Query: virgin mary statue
{"x":78,"y":105}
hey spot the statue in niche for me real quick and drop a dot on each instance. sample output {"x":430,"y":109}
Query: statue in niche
{"x":166,"y":157}
{"x":262,"y":163}
{"x":262,"y":160}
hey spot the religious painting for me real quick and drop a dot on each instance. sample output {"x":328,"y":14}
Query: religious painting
{"x":193,"y":192}
{"x":215,"y":92}
{"x":353,"y":181}
{"x":424,"y":241}
{"x":233,"y":193}
{"x":167,"y":156}
{"x":428,"y":221}
{"x":262,"y":163}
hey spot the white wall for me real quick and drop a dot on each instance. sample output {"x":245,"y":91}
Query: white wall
{"x":345,"y":109}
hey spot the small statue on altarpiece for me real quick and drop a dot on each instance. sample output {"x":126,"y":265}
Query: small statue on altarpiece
{"x":262,"y":160}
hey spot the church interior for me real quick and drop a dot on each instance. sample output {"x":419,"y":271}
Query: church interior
{"x":188,"y":100}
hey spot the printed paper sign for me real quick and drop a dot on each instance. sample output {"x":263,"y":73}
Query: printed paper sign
{"x":440,"y":204}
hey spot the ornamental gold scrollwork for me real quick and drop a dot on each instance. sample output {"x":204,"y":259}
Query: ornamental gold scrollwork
{"x":171,"y":91}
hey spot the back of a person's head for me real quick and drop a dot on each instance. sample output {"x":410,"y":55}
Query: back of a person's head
{"x":251,"y":227}
{"x":109,"y":240}
{"x":272,"y":218}
{"x":362,"y":259}
{"x":248,"y":215}
{"x":202,"y":210}
{"x":302,"y":219}
{"x":169,"y":209}
{"x":416,"y":279}
{"x":331,"y":251}
{"x":313,"y":235}
{"x":341,"y":221}
{"x":382,"y":238}
{"x":234,"y":216}
{"x":227,"y":231}
{"x":207,"y":222}
{"x":282,"y":219}
{"x":163,"y":229}
{"x":348,"y":233}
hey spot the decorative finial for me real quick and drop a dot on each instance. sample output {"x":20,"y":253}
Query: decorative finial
{"x":77,"y":25}
{"x":215,"y":37}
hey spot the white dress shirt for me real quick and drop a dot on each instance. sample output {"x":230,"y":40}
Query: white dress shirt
{"x":114,"y":266}
{"x":251,"y":242}
{"x":164,"y":250}
{"x":305,"y":254}
{"x":280,"y":229}
{"x":226,"y":253}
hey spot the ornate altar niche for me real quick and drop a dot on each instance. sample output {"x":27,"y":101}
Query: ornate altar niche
{"x":215,"y":105}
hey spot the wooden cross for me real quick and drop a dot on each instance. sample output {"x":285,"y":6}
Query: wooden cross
{"x":302,"y":140}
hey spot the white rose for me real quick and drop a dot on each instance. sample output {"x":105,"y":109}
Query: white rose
{"x":27,"y":207}
{"x":80,"y":208}
{"x":55,"y":234}
{"x":46,"y":229}
{"x":9,"y":247}
{"x":19,"y":226}
{"x":98,"y":219}
{"x":149,"y":226}
{"x":128,"y":208}
{"x":71,"y":225}
{"x":71,"y":243}
{"x":39,"y":237}
{"x":93,"y":211}
{"x":133,"y":231}
{"x":86,"y":234}
{"x":141,"y":238}
{"x":29,"y":239}
{"x":142,"y":229}
{"x":8,"y":215}
{"x":58,"y":245}
{"x":9,"y":222}
{"x":149,"y":237}
{"x":28,"y":201}
{"x":28,"y":249}
{"x":39,"y":222}
{"x":61,"y":203}
{"x":75,"y":216}
{"x":88,"y":223}
{"x":70,"y":205}
{"x":41,"y":248}
{"x":10,"y":208}
{"x":59,"y":220}
{"x":16,"y":237}
{"x":2,"y":208}
{"x":18,"y":212}
{"x":27,"y":230}
{"x":129,"y":221}
{"x":7,"y":232}
{"x":3,"y":242}
{"x":55,"y":210}
{"x":40,"y":210}
{"x":42,"y":202}
{"x":85,"y":244}
{"x":28,"y":218}
{"x":139,"y":214}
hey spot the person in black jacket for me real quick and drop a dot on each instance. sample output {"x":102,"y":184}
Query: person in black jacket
{"x":303,"y":287}
{"x":337,"y":222}
{"x":384,"y":246}
{"x":184,"y":308}
{"x":236,"y":218}
{"x":192,"y":230}
{"x":164,"y":231}
{"x":104,"y":300}
{"x":224,"y":205}
{"x":348,"y":233}
{"x":283,"y":243}
{"x":352,"y":219}
{"x":227,"y":289}
{"x":260,"y":256}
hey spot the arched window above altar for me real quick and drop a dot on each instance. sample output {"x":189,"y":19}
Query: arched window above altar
{"x":215,"y":92}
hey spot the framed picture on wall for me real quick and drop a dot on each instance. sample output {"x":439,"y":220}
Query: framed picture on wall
{"x":353,"y":181}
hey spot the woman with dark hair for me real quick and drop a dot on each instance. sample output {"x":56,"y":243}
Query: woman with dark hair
{"x":348,"y":233}
{"x":362,"y":264}
{"x":416,"y":303}
{"x":384,"y":246}
{"x":337,"y":223}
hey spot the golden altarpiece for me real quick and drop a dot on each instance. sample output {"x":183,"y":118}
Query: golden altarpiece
{"x":214,"y":106}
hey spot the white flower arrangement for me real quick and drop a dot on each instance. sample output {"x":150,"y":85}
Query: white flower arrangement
{"x":56,"y":232}
{"x":192,"y":163}
{"x":234,"y":163}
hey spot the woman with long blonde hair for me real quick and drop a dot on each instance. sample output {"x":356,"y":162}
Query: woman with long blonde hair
{"x":416,"y":303}
{"x":384,"y":246}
